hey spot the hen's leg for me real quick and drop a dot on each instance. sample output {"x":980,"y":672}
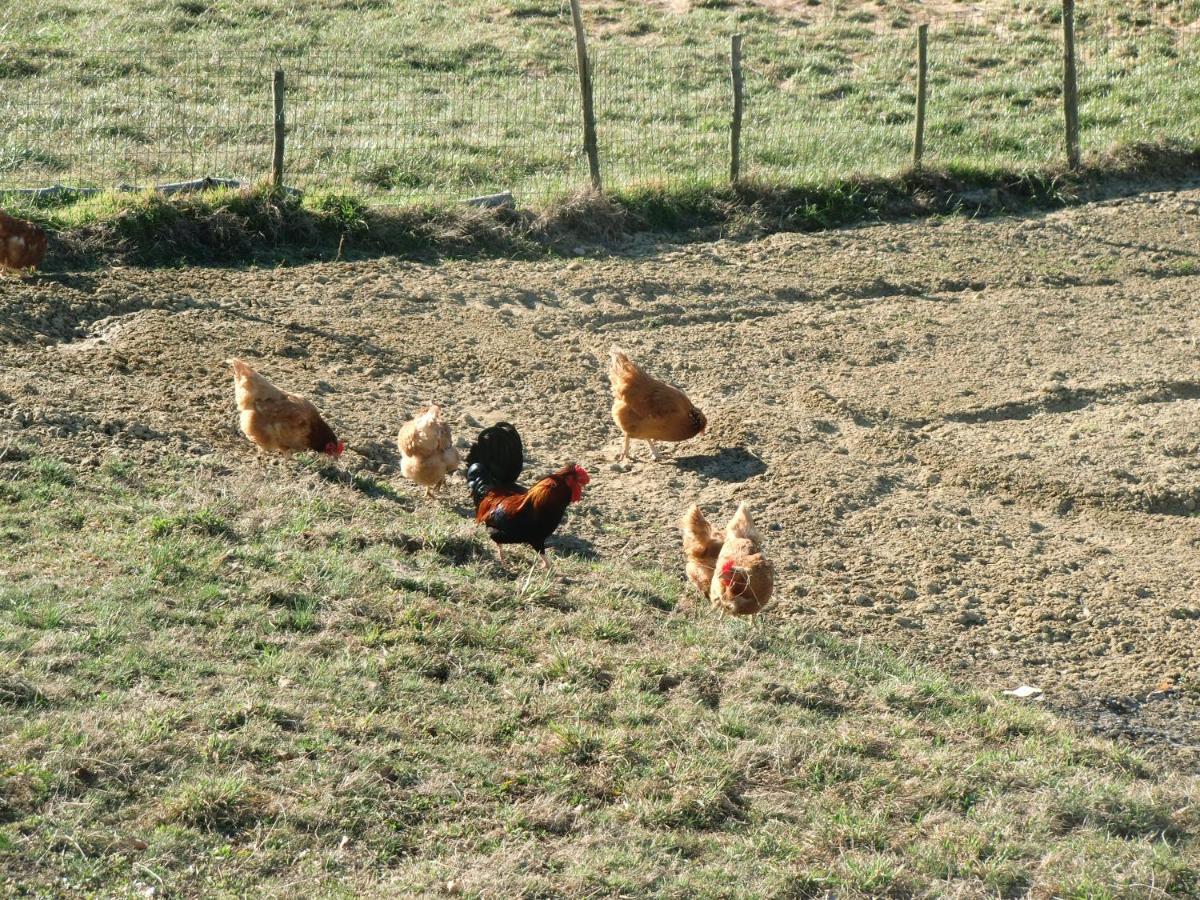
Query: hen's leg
{"x":653,"y":451}
{"x":500,"y":552}
{"x":544,"y":561}
{"x":624,"y":450}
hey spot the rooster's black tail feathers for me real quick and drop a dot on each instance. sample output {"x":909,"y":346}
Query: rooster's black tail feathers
{"x":495,"y":459}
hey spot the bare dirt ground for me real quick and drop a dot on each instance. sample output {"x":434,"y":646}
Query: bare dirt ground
{"x":975,"y":441}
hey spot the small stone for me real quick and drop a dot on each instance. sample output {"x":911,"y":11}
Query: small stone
{"x":971,"y":617}
{"x":1025,"y":692}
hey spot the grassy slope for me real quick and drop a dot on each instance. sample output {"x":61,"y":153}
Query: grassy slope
{"x":214,"y":681}
{"x":260,"y":225}
{"x":453,"y":99}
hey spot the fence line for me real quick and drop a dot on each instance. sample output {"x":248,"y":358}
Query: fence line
{"x":423,"y":125}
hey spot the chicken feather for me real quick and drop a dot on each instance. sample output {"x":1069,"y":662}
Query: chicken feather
{"x":701,"y":545}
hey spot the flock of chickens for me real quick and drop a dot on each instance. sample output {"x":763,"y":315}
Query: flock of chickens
{"x":726,"y":566}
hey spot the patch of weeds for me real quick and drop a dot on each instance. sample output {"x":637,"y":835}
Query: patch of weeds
{"x":1121,"y":815}
{"x":202,"y":521}
{"x":225,"y":804}
{"x":45,"y":616}
{"x":574,"y":743}
{"x":344,"y":211}
{"x":615,"y":631}
{"x":51,"y":472}
{"x":117,"y":468}
{"x":169,"y":562}
{"x":876,"y":875}
{"x":298,"y":613}
{"x":14,"y":159}
{"x":17,"y":692}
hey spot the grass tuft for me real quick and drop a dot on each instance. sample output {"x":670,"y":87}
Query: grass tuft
{"x":223,"y":804}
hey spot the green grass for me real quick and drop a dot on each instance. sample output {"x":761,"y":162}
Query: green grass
{"x":451,"y":100}
{"x":264,"y":226}
{"x":216,"y":683}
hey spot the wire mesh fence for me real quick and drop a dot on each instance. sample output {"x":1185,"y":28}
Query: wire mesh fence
{"x":418,"y":130}
{"x":832,"y":99}
{"x":839,"y":104}
{"x":662,"y":118}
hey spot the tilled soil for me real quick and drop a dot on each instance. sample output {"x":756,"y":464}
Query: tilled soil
{"x":975,"y":441}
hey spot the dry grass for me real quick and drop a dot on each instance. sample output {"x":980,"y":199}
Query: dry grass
{"x":215,"y":682}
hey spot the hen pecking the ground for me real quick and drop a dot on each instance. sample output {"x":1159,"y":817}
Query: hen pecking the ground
{"x":279,"y":422}
{"x":744,"y":578}
{"x":648,"y":409}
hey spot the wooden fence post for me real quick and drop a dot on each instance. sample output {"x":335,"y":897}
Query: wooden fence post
{"x":1070,"y":84}
{"x":585,"y":89}
{"x":735,"y":126}
{"x":277,"y":89}
{"x":922,"y":91}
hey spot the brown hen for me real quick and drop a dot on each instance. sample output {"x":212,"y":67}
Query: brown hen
{"x":701,"y":546}
{"x":277,"y":421}
{"x":427,"y":453}
{"x":648,"y":409}
{"x":744,"y":577}
{"x":22,"y":244}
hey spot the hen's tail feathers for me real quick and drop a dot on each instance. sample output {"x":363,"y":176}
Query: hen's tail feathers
{"x":496,"y":458}
{"x":697,"y":532}
{"x":250,"y":386}
{"x":742,"y":526}
{"x":240,"y":369}
{"x":621,"y":367}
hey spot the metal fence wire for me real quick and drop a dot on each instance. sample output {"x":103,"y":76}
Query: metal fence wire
{"x":415,"y":124}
